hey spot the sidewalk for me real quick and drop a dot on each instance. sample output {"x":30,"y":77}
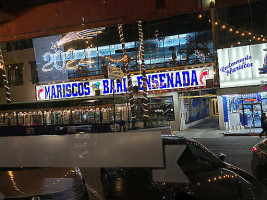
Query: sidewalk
{"x":200,"y":133}
{"x":243,"y":132}
{"x":215,"y":132}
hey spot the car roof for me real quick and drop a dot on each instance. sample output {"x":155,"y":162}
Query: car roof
{"x":174,"y":139}
{"x":262,"y":144}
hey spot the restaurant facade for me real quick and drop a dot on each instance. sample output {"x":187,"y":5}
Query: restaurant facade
{"x":62,"y":79}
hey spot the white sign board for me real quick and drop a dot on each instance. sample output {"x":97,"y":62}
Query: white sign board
{"x":243,"y":66}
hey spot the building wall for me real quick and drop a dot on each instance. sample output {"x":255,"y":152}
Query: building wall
{"x":65,"y":16}
{"x":25,"y":92}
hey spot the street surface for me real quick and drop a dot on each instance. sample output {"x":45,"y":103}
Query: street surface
{"x":236,"y":148}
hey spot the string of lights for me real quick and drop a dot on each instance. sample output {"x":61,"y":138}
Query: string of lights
{"x":10,"y":173}
{"x":239,"y":32}
{"x":130,"y":86}
{"x":143,"y":68}
{"x":243,"y":34}
{"x":4,"y":75}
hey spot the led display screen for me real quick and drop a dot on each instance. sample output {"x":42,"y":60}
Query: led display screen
{"x":49,"y":61}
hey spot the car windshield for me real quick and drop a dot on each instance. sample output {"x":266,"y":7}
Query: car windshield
{"x":196,"y":158}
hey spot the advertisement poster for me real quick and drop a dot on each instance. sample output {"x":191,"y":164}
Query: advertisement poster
{"x":243,"y":66}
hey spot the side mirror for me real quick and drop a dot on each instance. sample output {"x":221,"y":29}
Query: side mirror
{"x":222,"y":156}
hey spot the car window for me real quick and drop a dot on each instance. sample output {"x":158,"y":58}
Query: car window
{"x":194,"y":158}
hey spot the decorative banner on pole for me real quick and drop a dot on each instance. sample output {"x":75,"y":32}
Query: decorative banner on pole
{"x":115,"y":73}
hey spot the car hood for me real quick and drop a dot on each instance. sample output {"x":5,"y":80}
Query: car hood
{"x":221,"y":183}
{"x":24,"y":182}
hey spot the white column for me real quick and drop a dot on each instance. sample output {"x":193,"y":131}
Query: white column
{"x":220,"y":111}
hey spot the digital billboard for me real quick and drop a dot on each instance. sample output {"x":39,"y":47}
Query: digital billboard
{"x":48,"y":60}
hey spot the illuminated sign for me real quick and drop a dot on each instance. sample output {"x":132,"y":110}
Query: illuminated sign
{"x":243,"y":66}
{"x":155,"y":81}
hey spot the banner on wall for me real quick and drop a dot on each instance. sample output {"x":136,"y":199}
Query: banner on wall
{"x":155,"y":81}
{"x":243,"y":66}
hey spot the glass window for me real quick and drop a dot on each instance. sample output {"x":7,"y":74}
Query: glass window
{"x":76,"y":116}
{"x":34,"y":73}
{"x":157,"y":55}
{"x":161,"y":108}
{"x":15,"y":76}
{"x":37,"y":118}
{"x":204,"y":47}
{"x":171,"y":49}
{"x":187,"y":48}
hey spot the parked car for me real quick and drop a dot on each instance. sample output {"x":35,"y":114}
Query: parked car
{"x":259,"y":161}
{"x":42,"y":184}
{"x":209,"y":178}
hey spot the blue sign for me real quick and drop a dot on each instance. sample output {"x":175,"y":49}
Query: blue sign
{"x":156,"y":81}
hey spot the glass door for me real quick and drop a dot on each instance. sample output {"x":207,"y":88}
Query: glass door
{"x":252,"y":115}
{"x":257,"y":115}
{"x":248,"y":115}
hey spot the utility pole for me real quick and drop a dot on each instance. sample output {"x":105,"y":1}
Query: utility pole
{"x":214,"y":36}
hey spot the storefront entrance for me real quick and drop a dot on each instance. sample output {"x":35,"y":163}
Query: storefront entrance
{"x":252,"y":115}
{"x":244,"y":110}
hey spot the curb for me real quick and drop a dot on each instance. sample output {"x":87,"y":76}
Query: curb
{"x":241,"y":134}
